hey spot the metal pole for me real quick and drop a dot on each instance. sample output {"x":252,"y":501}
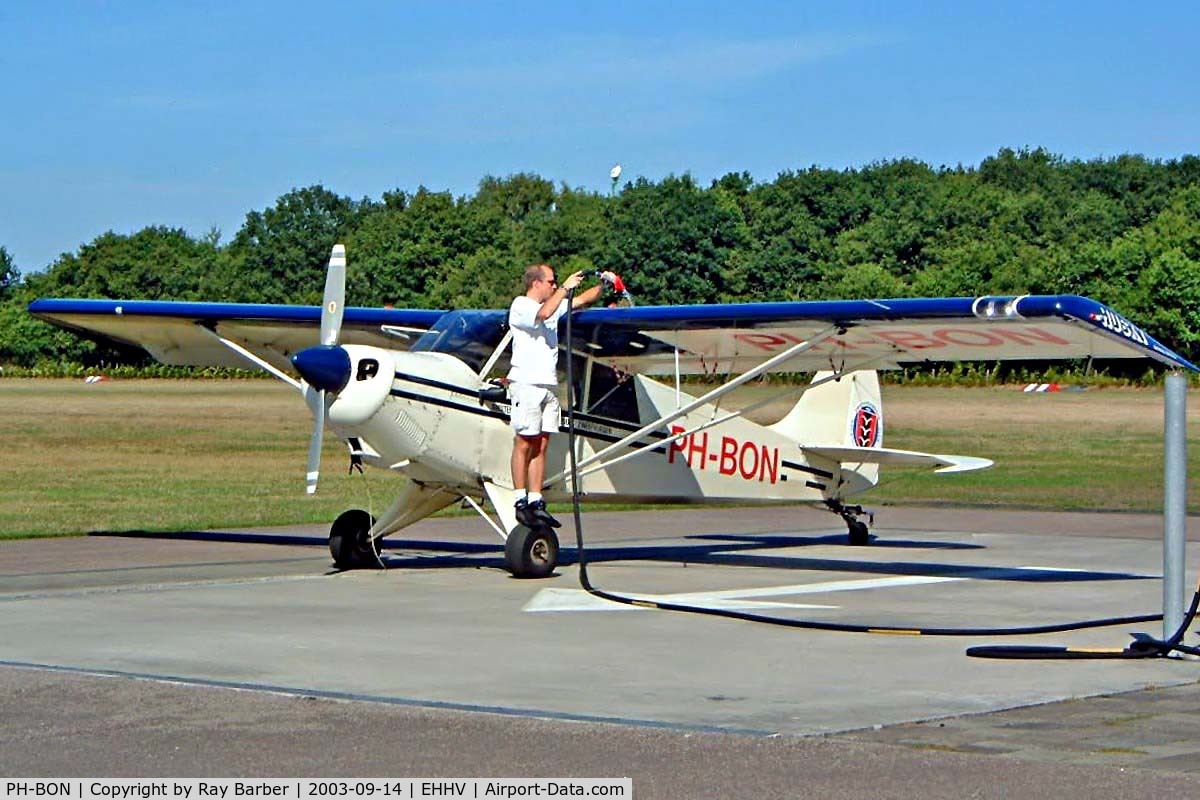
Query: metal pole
{"x":1174,"y":500}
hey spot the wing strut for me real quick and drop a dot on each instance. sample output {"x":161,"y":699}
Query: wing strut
{"x":720,"y":391}
{"x":244,"y":353}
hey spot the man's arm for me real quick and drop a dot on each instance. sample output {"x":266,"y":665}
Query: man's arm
{"x":552,"y":303}
{"x":587,"y":297}
{"x":555,"y":300}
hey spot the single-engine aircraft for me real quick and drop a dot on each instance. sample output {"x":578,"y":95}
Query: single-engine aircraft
{"x":409,"y":392}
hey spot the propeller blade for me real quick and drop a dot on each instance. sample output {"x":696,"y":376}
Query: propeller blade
{"x":335,"y":296}
{"x":314,"y":446}
{"x":326,"y":367}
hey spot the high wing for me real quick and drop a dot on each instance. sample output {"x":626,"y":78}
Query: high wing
{"x":861,"y":334}
{"x":660,"y":340}
{"x":191,"y":333}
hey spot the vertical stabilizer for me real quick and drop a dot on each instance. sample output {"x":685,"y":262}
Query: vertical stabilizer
{"x":840,"y":412}
{"x":846,"y":412}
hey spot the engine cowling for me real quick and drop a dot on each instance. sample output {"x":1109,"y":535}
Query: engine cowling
{"x":372,"y":370}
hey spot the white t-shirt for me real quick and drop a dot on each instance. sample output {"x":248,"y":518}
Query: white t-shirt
{"x":535,"y":344}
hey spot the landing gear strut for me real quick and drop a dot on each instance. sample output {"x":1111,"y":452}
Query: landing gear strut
{"x":350,"y":542}
{"x":857,"y":530}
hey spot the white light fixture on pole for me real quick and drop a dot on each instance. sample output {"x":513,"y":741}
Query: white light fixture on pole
{"x":615,"y":174}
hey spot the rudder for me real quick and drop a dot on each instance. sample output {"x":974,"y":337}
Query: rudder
{"x":845,"y":412}
{"x":848,"y":411}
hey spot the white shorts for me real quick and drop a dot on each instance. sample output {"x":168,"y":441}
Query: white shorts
{"x":535,"y":409}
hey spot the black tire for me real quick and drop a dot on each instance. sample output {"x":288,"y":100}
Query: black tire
{"x":531,"y":552}
{"x":860,"y":535}
{"x":349,"y":543}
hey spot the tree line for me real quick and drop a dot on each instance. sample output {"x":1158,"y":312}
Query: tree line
{"x":1123,"y":230}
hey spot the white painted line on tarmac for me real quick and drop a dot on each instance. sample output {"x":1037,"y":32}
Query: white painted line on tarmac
{"x":730,"y":599}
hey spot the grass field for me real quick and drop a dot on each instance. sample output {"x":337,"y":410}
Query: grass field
{"x":178,"y":455}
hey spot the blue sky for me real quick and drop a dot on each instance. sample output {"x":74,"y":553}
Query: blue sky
{"x":119,"y":115}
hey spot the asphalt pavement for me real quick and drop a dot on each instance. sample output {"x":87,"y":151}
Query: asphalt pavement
{"x":242,"y":653}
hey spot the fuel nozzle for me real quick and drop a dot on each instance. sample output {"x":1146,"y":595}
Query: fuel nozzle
{"x":616,"y":284}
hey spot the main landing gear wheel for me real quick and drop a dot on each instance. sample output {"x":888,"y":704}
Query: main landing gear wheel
{"x":349,"y":542}
{"x":860,"y":535}
{"x":531,"y":552}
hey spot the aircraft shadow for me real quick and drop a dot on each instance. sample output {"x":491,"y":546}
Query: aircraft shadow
{"x":300,"y":541}
{"x":777,"y":540}
{"x":741,"y":554}
{"x":712,"y":549}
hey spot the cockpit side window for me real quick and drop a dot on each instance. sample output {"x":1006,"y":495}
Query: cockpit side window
{"x":470,"y":336}
{"x":610,"y":392}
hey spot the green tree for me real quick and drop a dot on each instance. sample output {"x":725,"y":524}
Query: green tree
{"x":1122,"y":230}
{"x":863,"y":281}
{"x":835,"y":200}
{"x":574,"y":229}
{"x":9,"y":276}
{"x":1162,"y":263}
{"x":280,"y":254}
{"x":400,"y":253}
{"x":151,"y":264}
{"x":515,"y":198}
{"x":788,"y":246}
{"x":25,"y":340}
{"x":1024,"y":170}
{"x":487,"y":278}
{"x":675,"y":242}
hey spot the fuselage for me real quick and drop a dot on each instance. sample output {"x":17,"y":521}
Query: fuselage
{"x":421,"y":413}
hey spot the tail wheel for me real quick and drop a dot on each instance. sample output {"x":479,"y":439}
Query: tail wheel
{"x":859,"y":533}
{"x":350,"y":543}
{"x":531,"y":552}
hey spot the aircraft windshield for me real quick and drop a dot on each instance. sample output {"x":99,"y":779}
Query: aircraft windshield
{"x":470,"y":336}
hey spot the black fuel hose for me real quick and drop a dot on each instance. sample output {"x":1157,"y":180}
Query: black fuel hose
{"x":1141,"y":648}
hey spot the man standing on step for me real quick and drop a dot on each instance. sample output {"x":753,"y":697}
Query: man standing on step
{"x":533,"y":380}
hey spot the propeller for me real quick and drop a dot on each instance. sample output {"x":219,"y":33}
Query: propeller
{"x":326,"y":367}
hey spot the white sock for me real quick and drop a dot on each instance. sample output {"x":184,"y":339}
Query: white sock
{"x":535,"y":496}
{"x":520,"y":496}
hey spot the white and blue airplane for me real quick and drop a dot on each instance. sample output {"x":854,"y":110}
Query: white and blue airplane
{"x":411,"y":391}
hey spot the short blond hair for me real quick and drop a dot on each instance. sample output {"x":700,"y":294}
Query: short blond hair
{"x":534,"y":273}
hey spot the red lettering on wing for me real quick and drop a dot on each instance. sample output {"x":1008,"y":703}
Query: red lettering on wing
{"x":769,"y":342}
{"x":909,"y":340}
{"x":763,"y":341}
{"x":968,"y":338}
{"x":1030,"y":335}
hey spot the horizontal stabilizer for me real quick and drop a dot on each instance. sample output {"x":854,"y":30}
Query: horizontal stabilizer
{"x":903,"y":458}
